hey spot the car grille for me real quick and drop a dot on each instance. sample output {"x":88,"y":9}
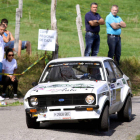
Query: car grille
{"x":62,"y":100}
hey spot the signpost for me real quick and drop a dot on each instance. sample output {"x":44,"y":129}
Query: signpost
{"x":46,"y":40}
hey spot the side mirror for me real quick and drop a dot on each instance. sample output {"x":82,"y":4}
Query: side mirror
{"x":113,"y":80}
{"x":34,"y":84}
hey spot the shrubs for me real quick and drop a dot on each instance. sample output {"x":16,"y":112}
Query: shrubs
{"x":32,"y":75}
{"x":131,"y":67}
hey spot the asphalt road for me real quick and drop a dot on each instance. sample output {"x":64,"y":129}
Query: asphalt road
{"x":13,"y":127}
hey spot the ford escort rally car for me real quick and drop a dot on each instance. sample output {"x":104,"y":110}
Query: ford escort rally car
{"x":78,"y":89}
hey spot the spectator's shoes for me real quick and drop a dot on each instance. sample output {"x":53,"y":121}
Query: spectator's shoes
{"x":1,"y":98}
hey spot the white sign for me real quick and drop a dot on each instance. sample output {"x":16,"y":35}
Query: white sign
{"x":46,"y":40}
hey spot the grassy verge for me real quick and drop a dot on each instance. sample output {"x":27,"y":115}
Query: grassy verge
{"x":17,"y":103}
{"x":32,"y":75}
{"x":138,"y":137}
{"x":130,"y":66}
{"x":36,"y":15}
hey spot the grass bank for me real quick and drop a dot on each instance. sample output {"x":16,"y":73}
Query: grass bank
{"x":131,"y":66}
{"x":16,"y":103}
{"x":36,"y":15}
{"x":138,"y":137}
{"x":32,"y":75}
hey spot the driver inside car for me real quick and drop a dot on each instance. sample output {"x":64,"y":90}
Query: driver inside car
{"x":93,"y":73}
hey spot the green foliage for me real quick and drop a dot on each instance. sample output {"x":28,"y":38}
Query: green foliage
{"x":36,"y":15}
{"x":17,"y":103}
{"x":138,"y":137}
{"x":131,"y":67}
{"x":32,"y":75}
{"x":6,"y":1}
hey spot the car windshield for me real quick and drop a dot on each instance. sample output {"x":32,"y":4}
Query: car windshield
{"x":73,"y":71}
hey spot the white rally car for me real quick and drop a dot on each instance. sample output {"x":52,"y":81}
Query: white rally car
{"x":78,"y":89}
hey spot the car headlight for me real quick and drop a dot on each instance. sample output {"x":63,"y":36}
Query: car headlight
{"x":34,"y":101}
{"x":89,"y":99}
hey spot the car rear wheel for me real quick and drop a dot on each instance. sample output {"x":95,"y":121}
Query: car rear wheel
{"x":31,"y":122}
{"x":126,"y":112}
{"x":104,"y":122}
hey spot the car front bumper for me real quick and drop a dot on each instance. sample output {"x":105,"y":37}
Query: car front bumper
{"x":66,"y":113}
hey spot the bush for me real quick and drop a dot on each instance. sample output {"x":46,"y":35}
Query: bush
{"x":32,"y":75}
{"x":131,"y":67}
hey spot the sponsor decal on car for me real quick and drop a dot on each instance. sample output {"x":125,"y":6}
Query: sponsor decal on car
{"x":123,"y":81}
{"x":112,"y":86}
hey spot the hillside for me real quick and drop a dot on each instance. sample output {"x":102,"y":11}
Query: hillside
{"x":36,"y":15}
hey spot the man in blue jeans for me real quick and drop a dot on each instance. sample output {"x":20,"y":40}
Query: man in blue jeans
{"x":92,"y":23}
{"x":113,"y":26}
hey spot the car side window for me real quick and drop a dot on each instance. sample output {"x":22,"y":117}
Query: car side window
{"x":118,"y":73}
{"x":109,"y":70}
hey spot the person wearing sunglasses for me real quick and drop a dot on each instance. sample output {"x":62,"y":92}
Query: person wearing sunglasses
{"x":10,"y":67}
{"x":2,"y":40}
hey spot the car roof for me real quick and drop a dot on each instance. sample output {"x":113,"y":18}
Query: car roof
{"x":90,"y":58}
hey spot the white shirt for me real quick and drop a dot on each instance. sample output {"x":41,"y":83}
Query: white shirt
{"x":9,"y":67}
{"x":1,"y":48}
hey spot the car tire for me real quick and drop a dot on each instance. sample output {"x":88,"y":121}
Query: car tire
{"x":31,"y":122}
{"x":104,"y":122}
{"x":126,"y":112}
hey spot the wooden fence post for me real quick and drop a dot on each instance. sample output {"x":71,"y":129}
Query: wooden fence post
{"x":79,"y":29}
{"x":20,"y":5}
{"x":54,"y":27}
{"x":17,"y":29}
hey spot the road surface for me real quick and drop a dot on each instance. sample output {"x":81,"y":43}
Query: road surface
{"x":13,"y":127}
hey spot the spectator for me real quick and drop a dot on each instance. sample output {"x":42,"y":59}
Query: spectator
{"x":92,"y":22}
{"x":10,"y":43}
{"x":113,"y":26}
{"x":2,"y":28}
{"x":10,"y":67}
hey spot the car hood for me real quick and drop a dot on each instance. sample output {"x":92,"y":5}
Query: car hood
{"x":71,"y":87}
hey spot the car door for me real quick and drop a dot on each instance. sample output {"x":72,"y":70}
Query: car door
{"x":119,"y":81}
{"x":113,"y":87}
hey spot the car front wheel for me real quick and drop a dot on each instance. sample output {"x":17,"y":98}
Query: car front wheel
{"x":104,"y":122}
{"x":31,"y":122}
{"x":126,"y":112}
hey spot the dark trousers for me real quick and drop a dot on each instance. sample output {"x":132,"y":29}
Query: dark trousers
{"x":92,"y":44}
{"x":114,"y":44}
{"x":7,"y":81}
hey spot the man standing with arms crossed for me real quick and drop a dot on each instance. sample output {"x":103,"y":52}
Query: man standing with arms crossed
{"x":92,"y":22}
{"x":113,"y":26}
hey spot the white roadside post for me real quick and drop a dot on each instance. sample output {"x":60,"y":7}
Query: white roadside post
{"x":79,"y":29}
{"x":54,"y":27}
{"x":17,"y":29}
